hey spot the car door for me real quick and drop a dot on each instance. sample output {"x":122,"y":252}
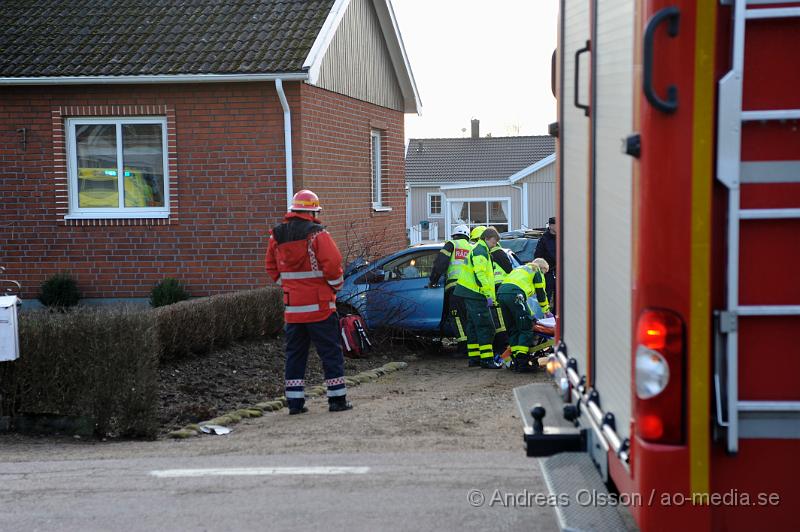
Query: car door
{"x":400,"y":297}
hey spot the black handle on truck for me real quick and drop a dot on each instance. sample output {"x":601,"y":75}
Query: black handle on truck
{"x":578,"y":104}
{"x":673,"y":15}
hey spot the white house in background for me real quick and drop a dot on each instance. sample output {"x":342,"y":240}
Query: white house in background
{"x":507,"y":182}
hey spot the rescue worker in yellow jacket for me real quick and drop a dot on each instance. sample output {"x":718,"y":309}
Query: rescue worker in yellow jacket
{"x":501,"y":267}
{"x":476,"y":288}
{"x":519,"y":285}
{"x":449,"y":262}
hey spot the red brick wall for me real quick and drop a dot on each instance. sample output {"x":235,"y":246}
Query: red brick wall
{"x":335,"y":162}
{"x":230,"y":170}
{"x":229,"y":161}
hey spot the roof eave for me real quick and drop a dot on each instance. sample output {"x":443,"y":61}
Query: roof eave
{"x":535,"y":167}
{"x":154,"y":79}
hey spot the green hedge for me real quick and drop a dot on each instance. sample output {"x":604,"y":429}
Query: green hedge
{"x":103,"y":363}
{"x":100,"y":364}
{"x":197,"y":326}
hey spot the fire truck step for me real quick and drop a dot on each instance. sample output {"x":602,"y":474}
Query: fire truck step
{"x":769,"y":419}
{"x":775,"y":12}
{"x":556,"y":434}
{"x":772,"y":114}
{"x":768,"y":214}
{"x":770,"y":172}
{"x":574,"y":475}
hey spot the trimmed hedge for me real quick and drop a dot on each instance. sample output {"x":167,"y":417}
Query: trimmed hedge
{"x":196,"y":326}
{"x":103,"y":363}
{"x":100,"y":364}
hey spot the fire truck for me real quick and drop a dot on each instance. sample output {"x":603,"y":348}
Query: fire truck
{"x":678,"y":336}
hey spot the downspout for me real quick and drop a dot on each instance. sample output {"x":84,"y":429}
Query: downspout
{"x":525,"y":207}
{"x":287,"y":141}
{"x":523,"y":201}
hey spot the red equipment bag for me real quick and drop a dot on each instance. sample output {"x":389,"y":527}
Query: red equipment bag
{"x":355,"y":342}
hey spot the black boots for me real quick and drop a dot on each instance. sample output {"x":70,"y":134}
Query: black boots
{"x":295,"y":411}
{"x":338,"y":404}
{"x":474,"y":362}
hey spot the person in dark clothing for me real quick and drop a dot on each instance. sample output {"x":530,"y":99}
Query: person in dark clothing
{"x":546,"y":249}
{"x":449,"y":262}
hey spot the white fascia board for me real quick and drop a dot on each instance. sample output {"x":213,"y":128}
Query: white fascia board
{"x":317,"y":53}
{"x":397,"y":50}
{"x":538,"y":165}
{"x":134,"y":80}
{"x":480,"y":184}
{"x":424,"y":185}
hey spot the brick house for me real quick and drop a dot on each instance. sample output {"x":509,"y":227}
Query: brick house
{"x":160,"y":139}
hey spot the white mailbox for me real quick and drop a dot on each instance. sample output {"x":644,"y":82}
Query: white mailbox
{"x":9,"y":332}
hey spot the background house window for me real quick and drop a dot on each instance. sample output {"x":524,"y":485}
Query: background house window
{"x":117,"y":167}
{"x":494,"y":212}
{"x":434,"y":205}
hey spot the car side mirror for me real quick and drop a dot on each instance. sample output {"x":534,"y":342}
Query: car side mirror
{"x":375,"y":276}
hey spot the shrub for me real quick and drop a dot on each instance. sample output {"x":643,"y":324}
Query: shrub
{"x":195,"y":327}
{"x":96,"y":363}
{"x":59,"y":291}
{"x":167,"y":292}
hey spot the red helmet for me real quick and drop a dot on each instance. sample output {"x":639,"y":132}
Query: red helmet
{"x":305,"y":200}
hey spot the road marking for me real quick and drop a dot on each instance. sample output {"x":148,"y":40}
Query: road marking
{"x":254,"y":471}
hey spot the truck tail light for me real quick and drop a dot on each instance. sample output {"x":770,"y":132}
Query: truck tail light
{"x":659,"y":377}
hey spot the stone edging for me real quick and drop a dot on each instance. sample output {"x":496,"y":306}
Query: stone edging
{"x":277,"y":404}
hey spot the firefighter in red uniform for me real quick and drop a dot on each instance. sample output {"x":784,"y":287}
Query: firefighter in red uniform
{"x":303,"y":258}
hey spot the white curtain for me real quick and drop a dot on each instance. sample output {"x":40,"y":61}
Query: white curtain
{"x":455,"y":212}
{"x":504,"y":208}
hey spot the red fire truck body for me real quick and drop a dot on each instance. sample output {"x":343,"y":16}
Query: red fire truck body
{"x":679,"y":254}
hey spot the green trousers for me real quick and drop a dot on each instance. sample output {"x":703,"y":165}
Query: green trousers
{"x":519,"y":321}
{"x":480,"y":328}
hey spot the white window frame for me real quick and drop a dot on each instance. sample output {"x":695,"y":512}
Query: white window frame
{"x":441,"y":205}
{"x":448,"y":220}
{"x":76,"y":212}
{"x":376,"y":170}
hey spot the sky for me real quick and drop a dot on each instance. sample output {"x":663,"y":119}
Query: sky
{"x":480,"y":59}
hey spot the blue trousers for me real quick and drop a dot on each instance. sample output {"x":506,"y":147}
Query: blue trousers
{"x":325,"y":335}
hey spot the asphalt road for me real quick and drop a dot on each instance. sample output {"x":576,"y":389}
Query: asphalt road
{"x":390,"y":491}
{"x":433,"y":447}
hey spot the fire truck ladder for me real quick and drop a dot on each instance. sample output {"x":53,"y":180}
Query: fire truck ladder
{"x":747,"y":419}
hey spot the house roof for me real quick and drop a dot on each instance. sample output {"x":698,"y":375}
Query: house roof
{"x":462,"y":160}
{"x":54,"y":38}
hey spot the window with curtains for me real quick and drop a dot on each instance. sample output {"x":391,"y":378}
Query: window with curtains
{"x":117,"y":167}
{"x":493,"y":212}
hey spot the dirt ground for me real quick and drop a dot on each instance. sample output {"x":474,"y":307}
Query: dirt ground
{"x":436,"y":404}
{"x":245,"y":374}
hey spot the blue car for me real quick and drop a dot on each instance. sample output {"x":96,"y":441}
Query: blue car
{"x":392,"y":292}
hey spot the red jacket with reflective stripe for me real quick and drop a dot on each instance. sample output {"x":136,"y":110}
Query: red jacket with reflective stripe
{"x":303,"y":258}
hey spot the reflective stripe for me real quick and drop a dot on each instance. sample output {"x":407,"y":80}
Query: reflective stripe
{"x":308,"y":308}
{"x":302,"y":308}
{"x":336,"y":281}
{"x":337,"y":393}
{"x":301,"y":275}
{"x":334,"y":382}
{"x":295,"y":382}
{"x":295,"y":395}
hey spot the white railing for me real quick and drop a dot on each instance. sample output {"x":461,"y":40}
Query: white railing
{"x":417,"y":235}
